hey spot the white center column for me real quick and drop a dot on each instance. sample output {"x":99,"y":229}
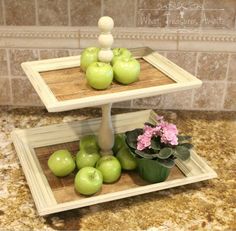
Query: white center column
{"x":105,"y":39}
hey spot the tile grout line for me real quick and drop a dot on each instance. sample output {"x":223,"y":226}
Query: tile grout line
{"x":68,"y":12}
{"x":3,"y":13}
{"x":36,"y":13}
{"x":202,"y":13}
{"x":195,"y":73}
{"x":226,"y":80}
{"x":38,"y":51}
{"x":102,"y":8}
{"x":9,"y":76}
{"x":135,"y":12}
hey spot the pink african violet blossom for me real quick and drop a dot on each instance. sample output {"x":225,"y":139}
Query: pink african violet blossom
{"x":144,"y":141}
{"x":167,"y":131}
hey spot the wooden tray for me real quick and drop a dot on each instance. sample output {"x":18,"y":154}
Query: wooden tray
{"x":52,"y":194}
{"x":62,"y":86}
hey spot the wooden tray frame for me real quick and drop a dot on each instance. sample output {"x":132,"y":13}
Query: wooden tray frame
{"x":27,"y":140}
{"x":183,"y":80}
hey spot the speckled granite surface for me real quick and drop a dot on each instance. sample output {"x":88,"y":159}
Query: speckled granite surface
{"x":209,"y":205}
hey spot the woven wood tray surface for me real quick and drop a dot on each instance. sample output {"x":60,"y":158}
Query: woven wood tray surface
{"x":63,"y":188}
{"x":70,"y":83}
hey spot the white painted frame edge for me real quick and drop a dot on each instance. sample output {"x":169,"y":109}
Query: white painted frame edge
{"x":195,"y":169}
{"x":184,"y":81}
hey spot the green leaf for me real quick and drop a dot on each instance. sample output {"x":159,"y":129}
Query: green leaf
{"x":150,"y":124}
{"x":187,"y":145}
{"x":131,"y":137}
{"x":165,"y":153}
{"x":184,"y":138}
{"x":168,"y":163}
{"x":144,"y":155}
{"x":155,"y":145}
{"x":182,"y":152}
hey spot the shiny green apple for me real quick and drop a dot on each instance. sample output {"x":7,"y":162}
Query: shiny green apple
{"x":88,"y":56}
{"x":126,"y":70}
{"x":126,"y":159}
{"x":119,"y":53}
{"x":99,"y":75}
{"x":119,"y":143}
{"x":88,"y":181}
{"x":110,"y":168}
{"x":61,"y":163}
{"x":87,"y":157}
{"x":89,"y":141}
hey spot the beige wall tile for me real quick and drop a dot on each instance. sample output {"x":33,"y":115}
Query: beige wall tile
{"x":18,"y":56}
{"x":121,"y":11}
{"x":53,"y":12}
{"x":24,"y":93}
{"x":3,"y":63}
{"x":185,"y":13}
{"x":177,"y":100}
{"x":148,"y":102}
{"x":1,"y":13}
{"x":232,"y":68}
{"x":20,"y":12}
{"x":85,"y":13}
{"x":230,"y":97}
{"x":186,"y":60}
{"x":209,"y":96}
{"x":50,"y":54}
{"x":212,"y":66}
{"x":75,"y":52}
{"x":153,"y":4}
{"x":5,"y":93}
{"x":124,"y":104}
{"x":185,"y":18}
{"x":185,"y":4}
{"x":219,"y":14}
{"x":152,"y":13}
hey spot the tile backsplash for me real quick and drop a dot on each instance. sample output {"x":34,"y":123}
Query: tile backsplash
{"x":198,"y":35}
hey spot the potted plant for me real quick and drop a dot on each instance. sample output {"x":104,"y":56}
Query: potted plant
{"x":155,"y":148}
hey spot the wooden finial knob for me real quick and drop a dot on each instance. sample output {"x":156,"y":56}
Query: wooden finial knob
{"x":105,"y":39}
{"x":105,"y":24}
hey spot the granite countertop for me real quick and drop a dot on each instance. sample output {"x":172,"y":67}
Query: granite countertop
{"x":208,"y":205}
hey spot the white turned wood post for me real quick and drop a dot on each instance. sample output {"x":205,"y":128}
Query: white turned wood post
{"x":105,"y":39}
{"x":106,"y":133}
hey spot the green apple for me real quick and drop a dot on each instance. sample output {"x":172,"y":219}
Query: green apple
{"x":119,"y":53}
{"x":87,"y":157}
{"x":61,"y":163}
{"x":126,"y":70}
{"x":99,"y":75}
{"x":88,"y":56}
{"x":89,"y":141}
{"x":126,"y":159}
{"x":110,"y":168}
{"x":88,"y":181}
{"x":119,"y":143}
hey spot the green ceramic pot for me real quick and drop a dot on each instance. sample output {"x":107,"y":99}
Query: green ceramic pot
{"x":152,"y":171}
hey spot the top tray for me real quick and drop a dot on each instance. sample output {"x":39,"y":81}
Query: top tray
{"x":62,"y":86}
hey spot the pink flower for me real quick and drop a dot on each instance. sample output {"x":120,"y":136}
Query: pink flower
{"x":169,"y":133}
{"x":160,"y":118}
{"x":166,"y":131}
{"x":148,"y":131}
{"x":144,"y":141}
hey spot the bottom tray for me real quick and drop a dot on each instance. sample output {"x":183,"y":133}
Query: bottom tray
{"x":52,"y":194}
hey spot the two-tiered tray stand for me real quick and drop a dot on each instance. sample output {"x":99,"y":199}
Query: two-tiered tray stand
{"x":62,"y":86}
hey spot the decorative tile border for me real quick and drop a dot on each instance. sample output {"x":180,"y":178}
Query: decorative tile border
{"x":75,"y":37}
